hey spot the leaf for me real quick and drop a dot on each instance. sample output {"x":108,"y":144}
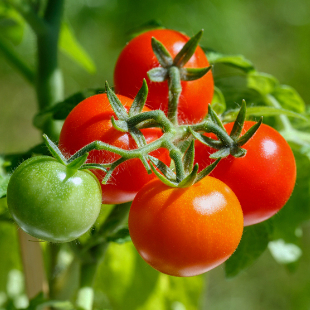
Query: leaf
{"x":253,"y":243}
{"x":70,"y":46}
{"x":237,"y":61}
{"x":284,"y":253}
{"x":120,"y":237}
{"x":192,"y":74}
{"x":161,"y":53}
{"x":150,"y":25}
{"x":262,"y":111}
{"x":4,"y":181}
{"x":262,"y":82}
{"x":12,"y":25}
{"x":125,"y":281}
{"x":218,"y":103}
{"x":62,"y":109}
{"x":289,"y":98}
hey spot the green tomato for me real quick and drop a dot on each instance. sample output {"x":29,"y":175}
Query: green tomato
{"x":51,"y":202}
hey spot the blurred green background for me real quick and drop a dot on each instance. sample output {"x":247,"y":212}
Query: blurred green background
{"x":273,"y":34}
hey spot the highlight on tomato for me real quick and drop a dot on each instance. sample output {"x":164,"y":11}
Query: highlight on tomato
{"x":89,"y":121}
{"x":51,"y":202}
{"x":185,"y":231}
{"x":263,"y":180}
{"x":137,"y":58}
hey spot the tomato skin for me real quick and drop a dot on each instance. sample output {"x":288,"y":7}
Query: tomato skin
{"x":137,"y":58}
{"x":263,"y":180}
{"x":89,"y":121}
{"x":50,"y":203}
{"x":185,"y":231}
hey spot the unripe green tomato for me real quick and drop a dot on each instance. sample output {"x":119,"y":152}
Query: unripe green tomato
{"x":52,"y":203}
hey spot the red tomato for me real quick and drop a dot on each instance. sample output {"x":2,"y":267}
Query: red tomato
{"x":263,"y":180}
{"x":90,"y":120}
{"x":185,"y":231}
{"x":137,"y":58}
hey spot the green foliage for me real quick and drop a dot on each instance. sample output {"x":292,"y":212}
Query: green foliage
{"x":125,"y":281}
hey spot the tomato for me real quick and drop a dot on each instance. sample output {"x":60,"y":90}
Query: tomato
{"x":50,"y":202}
{"x":89,"y":121}
{"x":185,"y":231}
{"x":263,"y":180}
{"x":137,"y":58}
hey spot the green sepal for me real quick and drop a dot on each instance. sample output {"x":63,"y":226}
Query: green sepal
{"x":167,"y":172}
{"x":238,"y":152}
{"x":78,"y":162}
{"x":239,"y":122}
{"x":189,"y":157}
{"x":214,"y":117}
{"x":94,"y":166}
{"x":116,"y":104}
{"x":216,"y":144}
{"x":250,"y":133}
{"x":158,"y":74}
{"x":187,"y":51}
{"x":191,"y":74}
{"x":139,"y":101}
{"x":162,"y":178}
{"x":206,"y":171}
{"x":146,"y":164}
{"x":161,"y":53}
{"x":224,"y":152}
{"x":119,"y":125}
{"x":138,"y":136}
{"x":54,"y":150}
{"x":112,"y":168}
{"x":190,"y":179}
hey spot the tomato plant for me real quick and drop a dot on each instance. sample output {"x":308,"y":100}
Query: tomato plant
{"x":51,"y":202}
{"x":137,"y":58}
{"x":263,"y":180}
{"x":185,"y":231}
{"x":89,"y":121}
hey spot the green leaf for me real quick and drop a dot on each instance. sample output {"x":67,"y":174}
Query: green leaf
{"x":218,"y":103}
{"x":12,"y":24}
{"x":289,"y":98}
{"x":4,"y":181}
{"x":70,"y":46}
{"x":62,"y":109}
{"x":125,"y":281}
{"x":262,"y":82}
{"x":238,"y":124}
{"x":139,"y":101}
{"x":237,"y":61}
{"x":150,"y":25}
{"x":121,"y":236}
{"x":261,"y":111}
{"x":253,"y":243}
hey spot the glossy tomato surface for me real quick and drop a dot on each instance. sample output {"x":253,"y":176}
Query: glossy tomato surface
{"x":137,"y":58}
{"x":185,"y":231}
{"x":51,"y":203}
{"x":89,"y":121}
{"x":263,"y":180}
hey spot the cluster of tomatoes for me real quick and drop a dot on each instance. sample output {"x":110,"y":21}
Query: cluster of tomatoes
{"x":179,"y":231}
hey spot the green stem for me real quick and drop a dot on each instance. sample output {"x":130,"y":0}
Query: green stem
{"x":37,"y":24}
{"x":175,"y":89}
{"x":49,"y":83}
{"x":16,"y":60}
{"x":85,"y":295}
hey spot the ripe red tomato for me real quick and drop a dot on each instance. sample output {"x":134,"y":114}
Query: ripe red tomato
{"x":137,"y":58}
{"x":89,"y":121}
{"x":185,"y":231}
{"x":263,"y":180}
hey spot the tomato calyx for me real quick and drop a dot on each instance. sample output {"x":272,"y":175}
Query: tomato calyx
{"x":173,"y":71}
